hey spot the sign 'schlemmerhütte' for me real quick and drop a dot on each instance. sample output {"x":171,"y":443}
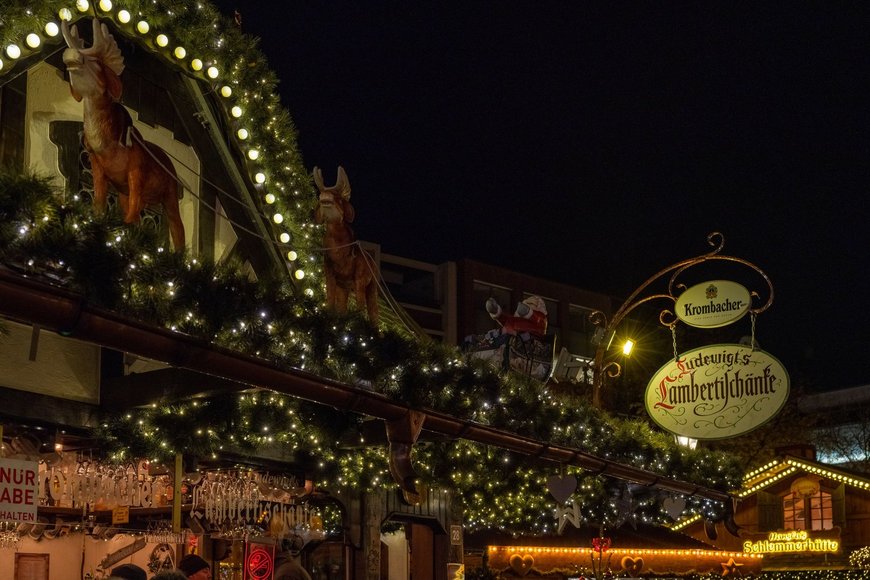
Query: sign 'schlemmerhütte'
{"x":713,"y":304}
{"x":717,"y":391}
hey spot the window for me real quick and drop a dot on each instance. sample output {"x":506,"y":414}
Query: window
{"x":580,"y":331}
{"x":815,"y":512}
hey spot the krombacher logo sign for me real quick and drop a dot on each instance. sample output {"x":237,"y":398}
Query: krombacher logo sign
{"x":717,"y":391}
{"x":713,"y":304}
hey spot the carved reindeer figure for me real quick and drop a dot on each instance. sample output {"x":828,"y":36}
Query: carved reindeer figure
{"x":347,"y":267}
{"x":141,"y":172}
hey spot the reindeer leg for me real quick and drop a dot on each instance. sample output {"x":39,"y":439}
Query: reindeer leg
{"x":372,"y":301}
{"x":101,"y":186}
{"x":341,"y":296}
{"x":362,"y":283}
{"x":134,"y":186}
{"x":331,"y":288}
{"x":173,"y":217}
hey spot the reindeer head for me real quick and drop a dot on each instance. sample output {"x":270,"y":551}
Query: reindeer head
{"x":96,"y":70}
{"x":334,"y":205}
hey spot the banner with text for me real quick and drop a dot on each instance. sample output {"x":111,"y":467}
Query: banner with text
{"x":19,"y":493}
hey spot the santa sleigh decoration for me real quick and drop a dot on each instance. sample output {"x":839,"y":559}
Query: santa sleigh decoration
{"x":521,"y":342}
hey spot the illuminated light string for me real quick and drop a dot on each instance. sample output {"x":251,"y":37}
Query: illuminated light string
{"x":623,"y":550}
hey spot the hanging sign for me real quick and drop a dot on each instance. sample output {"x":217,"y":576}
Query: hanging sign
{"x":717,"y":391}
{"x":713,"y":304}
{"x":19,"y":490}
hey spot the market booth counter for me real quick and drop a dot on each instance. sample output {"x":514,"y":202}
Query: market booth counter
{"x":643,"y":549}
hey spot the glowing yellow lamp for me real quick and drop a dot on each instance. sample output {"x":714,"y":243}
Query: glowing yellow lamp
{"x":627,"y":347}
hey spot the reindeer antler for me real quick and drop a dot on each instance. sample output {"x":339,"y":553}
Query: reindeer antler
{"x":105,"y":49}
{"x":341,"y":187}
{"x":71,"y":36}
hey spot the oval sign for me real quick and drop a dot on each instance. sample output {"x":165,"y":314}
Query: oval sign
{"x":713,"y":304}
{"x":716,"y":392}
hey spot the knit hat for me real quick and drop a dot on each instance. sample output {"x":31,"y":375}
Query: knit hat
{"x":191,"y":564}
{"x":129,"y":572}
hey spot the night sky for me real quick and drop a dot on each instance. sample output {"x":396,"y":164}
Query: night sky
{"x":596,"y":143}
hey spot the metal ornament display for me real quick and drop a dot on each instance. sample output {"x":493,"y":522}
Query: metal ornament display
{"x":604,"y":369}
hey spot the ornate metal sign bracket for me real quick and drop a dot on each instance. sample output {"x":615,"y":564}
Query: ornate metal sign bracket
{"x":602,"y":368}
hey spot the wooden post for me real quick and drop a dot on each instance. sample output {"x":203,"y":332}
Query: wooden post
{"x":176,"y":494}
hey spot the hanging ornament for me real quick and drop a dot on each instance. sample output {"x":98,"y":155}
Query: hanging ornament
{"x":561,"y":487}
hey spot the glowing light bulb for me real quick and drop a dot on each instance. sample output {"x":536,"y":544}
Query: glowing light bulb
{"x":143,"y":27}
{"x":270,"y":198}
{"x":105,"y":5}
{"x":242,"y":133}
{"x":32,"y":40}
{"x":1,"y":65}
{"x":226,"y":91}
{"x":253,"y":154}
{"x":51,"y":28}
{"x":124,"y":16}
{"x":212,"y":72}
{"x":284,"y":237}
{"x":299,"y":274}
{"x":627,"y":347}
{"x":236,"y":111}
{"x":277,"y":218}
{"x":82,"y":5}
{"x":162,"y":40}
{"x":196,"y":64}
{"x":180,"y":52}
{"x":12,"y":51}
{"x":260,"y":177}
{"x":65,"y":14}
{"x":292,"y":256}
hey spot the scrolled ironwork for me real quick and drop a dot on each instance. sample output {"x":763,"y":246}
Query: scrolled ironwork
{"x":667,"y":316}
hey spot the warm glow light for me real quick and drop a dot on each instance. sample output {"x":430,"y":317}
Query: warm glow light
{"x":292,"y":256}
{"x":32,"y":40}
{"x":51,"y":28}
{"x":260,"y":178}
{"x":143,"y":27}
{"x":277,"y":218}
{"x":180,"y":52}
{"x":253,"y":154}
{"x":236,"y":111}
{"x":212,"y":72}
{"x":284,"y":237}
{"x":627,"y":347}
{"x":299,"y":274}
{"x":123,"y":16}
{"x":82,"y":5}
{"x":105,"y":5}
{"x":162,"y":40}
{"x":270,"y":198}
{"x":226,"y":91}
{"x":1,"y":65}
{"x":12,"y":51}
{"x":65,"y":14}
{"x":242,"y":133}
